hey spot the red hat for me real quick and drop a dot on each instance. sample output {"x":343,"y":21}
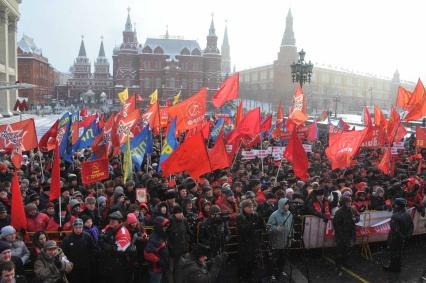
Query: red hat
{"x":361,"y":186}
{"x":131,"y":218}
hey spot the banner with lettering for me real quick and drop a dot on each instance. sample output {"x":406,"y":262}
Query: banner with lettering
{"x":375,"y":139}
{"x":420,"y":137}
{"x":94,"y":171}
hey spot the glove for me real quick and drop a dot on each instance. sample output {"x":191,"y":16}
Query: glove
{"x":58,"y":262}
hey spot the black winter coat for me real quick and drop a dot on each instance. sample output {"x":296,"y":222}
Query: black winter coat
{"x":80,"y":250}
{"x":179,"y":237}
{"x":249,"y":229}
{"x":344,"y":224}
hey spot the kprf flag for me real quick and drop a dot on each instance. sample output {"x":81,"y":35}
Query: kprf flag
{"x":343,"y":147}
{"x":55,"y":180}
{"x":153,"y":97}
{"x":17,"y":215}
{"x":138,"y":147}
{"x":127,"y":162}
{"x":176,"y":98}
{"x":249,"y":126}
{"x":298,"y":113}
{"x":123,"y":95}
{"x":170,"y":144}
{"x":191,"y":156}
{"x":217,"y":128}
{"x":87,"y":137}
{"x":296,"y":155}
{"x":22,"y":134}
{"x":227,"y":92}
{"x":190,"y":112}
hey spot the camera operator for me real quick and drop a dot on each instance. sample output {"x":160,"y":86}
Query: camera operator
{"x":279,"y":227}
{"x":196,"y":268}
{"x":249,"y":226}
{"x":401,"y":228}
{"x":214,"y":231}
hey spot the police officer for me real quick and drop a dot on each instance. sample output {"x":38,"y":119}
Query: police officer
{"x":401,"y":228}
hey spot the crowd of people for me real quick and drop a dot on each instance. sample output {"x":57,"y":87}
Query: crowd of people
{"x":102,"y":233}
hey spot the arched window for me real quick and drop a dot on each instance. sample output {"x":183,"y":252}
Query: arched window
{"x":184,"y":51}
{"x":158,"y":50}
{"x":147,"y":49}
{"x":196,"y":52}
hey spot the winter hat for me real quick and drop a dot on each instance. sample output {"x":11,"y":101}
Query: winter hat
{"x":2,"y":207}
{"x":101,"y":200}
{"x":177,"y":209}
{"x":4,"y":246}
{"x":119,"y":190}
{"x":400,"y":202}
{"x":160,"y":221}
{"x":116,"y":215}
{"x":90,"y":200}
{"x":228,"y":193}
{"x":226,"y":186}
{"x":86,"y":217}
{"x":74,"y":203}
{"x":289,"y":191}
{"x":6,"y":231}
{"x":131,"y":218}
{"x":215,"y":209}
{"x":250,"y":194}
{"x":245,"y":203}
{"x":77,"y":194}
{"x":30,"y":206}
{"x":77,"y":223}
{"x":50,"y":245}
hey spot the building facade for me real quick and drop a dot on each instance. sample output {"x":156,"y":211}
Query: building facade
{"x":331,"y":88}
{"x":169,"y":64}
{"x":34,"y":68}
{"x":85,"y":85}
{"x":9,"y":16}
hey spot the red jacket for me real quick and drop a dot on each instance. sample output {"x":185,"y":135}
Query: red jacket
{"x":37,"y":223}
{"x":53,"y":226}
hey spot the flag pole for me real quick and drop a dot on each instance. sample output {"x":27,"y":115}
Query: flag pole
{"x":236,"y":154}
{"x":261,"y":149}
{"x":279,"y":168}
{"x":60,"y":210}
{"x":41,"y":165}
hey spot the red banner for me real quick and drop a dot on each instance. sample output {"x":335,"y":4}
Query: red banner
{"x":19,"y":133}
{"x":420,"y":137}
{"x":302,"y":133}
{"x":375,"y":139}
{"x":94,"y":171}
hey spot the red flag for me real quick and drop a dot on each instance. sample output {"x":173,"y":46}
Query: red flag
{"x":206,"y":129}
{"x":395,"y":130}
{"x":19,"y":133}
{"x":290,"y":125}
{"x":227,"y":92}
{"x":385,"y":164}
{"x":417,"y":95}
{"x":83,"y":112}
{"x":403,"y":98}
{"x":191,"y":156}
{"x":279,"y":122}
{"x":18,"y":219}
{"x":296,"y":155}
{"x":128,"y":107}
{"x":94,"y":171}
{"x":250,"y":126}
{"x":266,"y":124}
{"x":417,"y":111}
{"x":420,"y":137}
{"x":102,"y":145}
{"x":123,"y":126}
{"x":313,"y":131}
{"x":47,"y":141}
{"x":152,"y":116}
{"x":239,"y":115}
{"x":218,"y":155}
{"x":379,"y":118}
{"x":189,"y":112}
{"x":55,"y":180}
{"x":17,"y":157}
{"x":298,"y":113}
{"x":343,"y":147}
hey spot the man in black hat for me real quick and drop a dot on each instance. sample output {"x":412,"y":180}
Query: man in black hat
{"x":195,"y":268}
{"x":401,"y":228}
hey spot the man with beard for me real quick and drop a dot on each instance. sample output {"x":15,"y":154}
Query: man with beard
{"x":401,"y":228}
{"x":249,"y":227}
{"x":344,"y":227}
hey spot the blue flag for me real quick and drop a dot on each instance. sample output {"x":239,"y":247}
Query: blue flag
{"x":64,"y":126}
{"x":87,"y":137}
{"x":149,"y":143}
{"x":138,"y":147}
{"x":216,"y":130}
{"x":170,"y":144}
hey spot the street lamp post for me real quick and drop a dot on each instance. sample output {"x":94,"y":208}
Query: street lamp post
{"x":301,"y":72}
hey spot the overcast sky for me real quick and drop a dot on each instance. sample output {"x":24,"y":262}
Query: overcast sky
{"x":370,"y":36}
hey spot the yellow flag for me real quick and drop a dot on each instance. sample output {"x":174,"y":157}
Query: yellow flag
{"x":127,"y":162}
{"x":154,"y":97}
{"x":123,"y":95}
{"x":176,"y":98}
